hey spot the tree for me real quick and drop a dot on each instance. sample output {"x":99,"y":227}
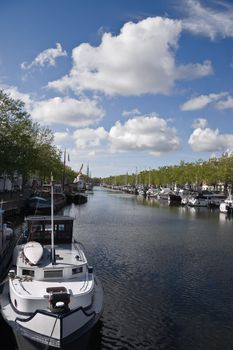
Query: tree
{"x":16,"y":136}
{"x":26,"y":147}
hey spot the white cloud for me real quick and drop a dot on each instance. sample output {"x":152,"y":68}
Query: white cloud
{"x":201,"y":101}
{"x":144,"y":133}
{"x":209,"y":140}
{"x":47,"y":57}
{"x":60,"y":137}
{"x":227,"y":104}
{"x":89,"y":138}
{"x":207,"y":21}
{"x":200,"y":123}
{"x":131,"y":113}
{"x":67,"y":111}
{"x":140,"y":60}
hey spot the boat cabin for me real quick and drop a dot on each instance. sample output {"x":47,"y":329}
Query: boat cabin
{"x":39,"y":229}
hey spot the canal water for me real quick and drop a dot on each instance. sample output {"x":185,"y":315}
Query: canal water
{"x":167,"y":273}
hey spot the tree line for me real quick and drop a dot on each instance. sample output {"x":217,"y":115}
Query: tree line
{"x":26,"y":147}
{"x":212,"y":172}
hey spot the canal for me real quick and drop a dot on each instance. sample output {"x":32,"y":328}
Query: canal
{"x":167,"y":273}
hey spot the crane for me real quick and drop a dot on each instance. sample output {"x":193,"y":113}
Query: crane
{"x":80,"y":170}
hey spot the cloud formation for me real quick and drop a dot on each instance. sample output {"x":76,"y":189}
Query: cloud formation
{"x":209,"y":22}
{"x":140,"y":60}
{"x":204,"y":139}
{"x":60,"y":137}
{"x":46,"y":58}
{"x":89,"y":138}
{"x":144,"y":133}
{"x":199,"y":123}
{"x":201,"y":101}
{"x":131,"y":113}
{"x":67,"y":111}
{"x":227,"y":104}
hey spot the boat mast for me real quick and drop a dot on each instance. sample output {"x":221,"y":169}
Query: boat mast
{"x":52,"y":224}
{"x":64,"y":170}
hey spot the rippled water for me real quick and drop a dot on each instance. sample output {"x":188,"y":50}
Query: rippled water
{"x":167,"y":272}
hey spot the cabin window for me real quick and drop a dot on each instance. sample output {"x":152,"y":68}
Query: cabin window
{"x":36,"y":228}
{"x":53,"y":273}
{"x":59,"y":228}
{"x":77,"y":270}
{"x":48,"y":227}
{"x":28,"y":272}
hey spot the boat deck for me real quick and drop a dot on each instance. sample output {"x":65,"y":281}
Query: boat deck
{"x":38,"y":289}
{"x":66,"y":255}
{"x":69,"y":271}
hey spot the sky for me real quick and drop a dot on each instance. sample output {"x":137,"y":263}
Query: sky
{"x":125,"y":85}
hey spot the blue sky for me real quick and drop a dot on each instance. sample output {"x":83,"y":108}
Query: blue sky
{"x":123,"y":84}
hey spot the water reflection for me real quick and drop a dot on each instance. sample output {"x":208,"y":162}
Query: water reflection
{"x":166,"y":271}
{"x":225,"y":217}
{"x":184,"y":210}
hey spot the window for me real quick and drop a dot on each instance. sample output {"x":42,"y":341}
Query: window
{"x":77,"y":270}
{"x":36,"y":228}
{"x":28,"y":272}
{"x":61,"y":227}
{"x":53,"y":273}
{"x":48,"y":227}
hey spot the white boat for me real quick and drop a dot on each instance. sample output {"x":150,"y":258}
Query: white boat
{"x":152,"y":192}
{"x":227,"y":205}
{"x":51,"y":298}
{"x":164,"y":193}
{"x":206,"y":199}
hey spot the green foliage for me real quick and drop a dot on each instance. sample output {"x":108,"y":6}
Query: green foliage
{"x":211,"y":172}
{"x":26,"y":147}
{"x":16,"y":136}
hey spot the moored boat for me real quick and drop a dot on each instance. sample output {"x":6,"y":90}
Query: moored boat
{"x":52,"y":296}
{"x":38,"y":204}
{"x":227,"y":205}
{"x":206,"y":199}
{"x":174,"y":199}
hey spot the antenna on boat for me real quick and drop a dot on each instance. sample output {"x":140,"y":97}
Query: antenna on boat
{"x":52,"y":224}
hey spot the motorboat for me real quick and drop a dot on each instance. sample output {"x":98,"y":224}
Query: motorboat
{"x":206,"y":199}
{"x":164,"y":193}
{"x":152,"y":192}
{"x":174,"y":199}
{"x":52,"y":295}
{"x":227,"y":205}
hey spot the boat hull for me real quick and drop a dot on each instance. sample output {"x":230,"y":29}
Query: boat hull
{"x":225,"y":208}
{"x":55,"y":330}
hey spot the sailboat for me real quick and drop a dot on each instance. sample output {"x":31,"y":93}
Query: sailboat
{"x":52,"y":296}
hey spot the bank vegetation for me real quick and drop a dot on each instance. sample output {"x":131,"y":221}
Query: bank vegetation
{"x":214,"y":172}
